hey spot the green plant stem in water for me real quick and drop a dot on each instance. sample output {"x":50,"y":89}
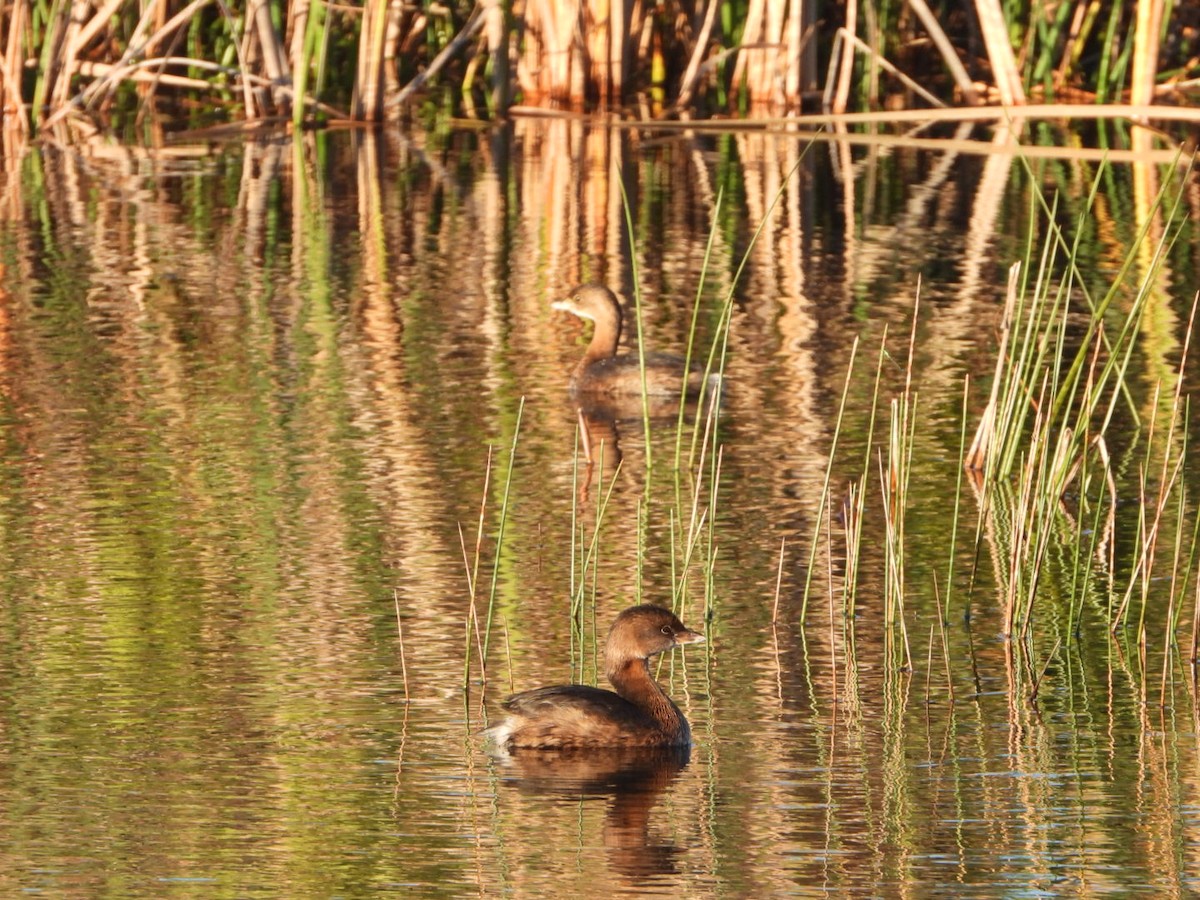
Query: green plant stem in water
{"x":512,"y":457}
{"x":824,"y":499}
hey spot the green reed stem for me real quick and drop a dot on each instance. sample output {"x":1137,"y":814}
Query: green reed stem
{"x":512,"y":458}
{"x":637,"y":319}
{"x":718,"y":356}
{"x":837,"y":431}
{"x":578,"y":606}
{"x":576,"y":555}
{"x":688,"y":353}
{"x":958,"y":484}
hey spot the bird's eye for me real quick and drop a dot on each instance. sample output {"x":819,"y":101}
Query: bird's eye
{"x":666,"y":629}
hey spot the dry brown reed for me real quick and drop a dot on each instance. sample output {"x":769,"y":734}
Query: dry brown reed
{"x":306,"y":59}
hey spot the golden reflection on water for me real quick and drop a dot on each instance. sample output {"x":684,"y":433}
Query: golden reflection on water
{"x":248,"y":399}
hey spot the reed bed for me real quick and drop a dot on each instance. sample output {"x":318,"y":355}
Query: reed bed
{"x":1053,"y":511}
{"x":112,"y":64}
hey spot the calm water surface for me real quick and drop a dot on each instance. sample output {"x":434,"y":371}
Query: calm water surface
{"x":247,"y":402}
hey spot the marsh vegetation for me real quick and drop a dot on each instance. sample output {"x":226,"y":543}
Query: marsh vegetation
{"x":120,"y":65}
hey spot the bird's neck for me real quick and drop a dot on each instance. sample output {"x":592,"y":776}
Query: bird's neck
{"x":605,"y":338}
{"x":632,"y":680}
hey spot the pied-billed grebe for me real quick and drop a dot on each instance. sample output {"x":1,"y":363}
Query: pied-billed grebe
{"x":602,"y":372}
{"x":639,"y":714}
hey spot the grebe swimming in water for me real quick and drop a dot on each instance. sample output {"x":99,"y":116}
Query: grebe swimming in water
{"x":602,"y":373}
{"x":638,"y":714}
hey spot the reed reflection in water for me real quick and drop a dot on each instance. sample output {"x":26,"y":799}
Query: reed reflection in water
{"x":247,"y":402}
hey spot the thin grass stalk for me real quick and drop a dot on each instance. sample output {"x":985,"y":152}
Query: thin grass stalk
{"x":676,"y":588}
{"x":1030,"y":349}
{"x":1143,"y":569}
{"x":958,"y":485}
{"x":837,"y":431}
{"x":854,"y":509}
{"x":400,"y":638}
{"x":588,"y":561}
{"x":719,"y":350}
{"x":637,"y":320}
{"x":1194,"y":654}
{"x":983,"y":444}
{"x":576,"y":555}
{"x":945,"y":648}
{"x":1169,"y":633}
{"x":1035,"y":511}
{"x":857,"y":494}
{"x":1132,"y":319}
{"x":710,"y":562}
{"x":778,"y":581}
{"x":512,"y":688}
{"x":895,"y":487}
{"x":894,"y":482}
{"x":472,"y":571}
{"x":687,"y":357}
{"x":512,"y":458}
{"x":1165,"y":480}
{"x":1085,"y":475}
{"x":472,"y":613}
{"x":846,"y":62}
{"x":1080,"y":579}
{"x":1055,"y":236}
{"x":833,"y":667}
{"x":929,"y":663}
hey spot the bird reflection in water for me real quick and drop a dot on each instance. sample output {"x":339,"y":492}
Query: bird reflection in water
{"x":631,"y":779}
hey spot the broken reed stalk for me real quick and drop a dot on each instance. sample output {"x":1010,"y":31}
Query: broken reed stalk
{"x":400,"y":637}
{"x":508,"y":654}
{"x":472,"y":571}
{"x":778,"y":581}
{"x":929,"y":664}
